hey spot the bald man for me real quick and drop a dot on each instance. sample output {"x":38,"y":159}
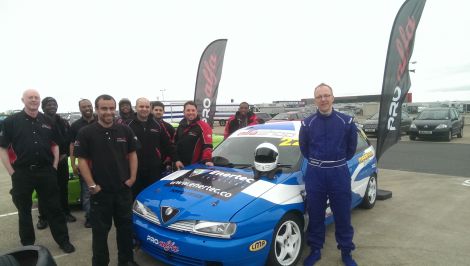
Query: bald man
{"x":30,"y":153}
{"x":153,"y":142}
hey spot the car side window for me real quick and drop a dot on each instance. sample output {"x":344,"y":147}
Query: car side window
{"x":453,"y":116}
{"x":362,"y":143}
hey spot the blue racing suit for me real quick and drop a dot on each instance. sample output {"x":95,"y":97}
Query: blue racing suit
{"x":328,"y":142}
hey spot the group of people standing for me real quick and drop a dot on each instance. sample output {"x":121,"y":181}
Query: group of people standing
{"x":120,"y":156}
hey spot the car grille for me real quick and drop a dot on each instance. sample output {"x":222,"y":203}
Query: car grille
{"x":370,"y":126}
{"x":170,"y":258}
{"x":426,"y":127}
{"x":185,"y":226}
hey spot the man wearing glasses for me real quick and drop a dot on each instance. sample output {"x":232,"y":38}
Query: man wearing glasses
{"x":328,"y":139}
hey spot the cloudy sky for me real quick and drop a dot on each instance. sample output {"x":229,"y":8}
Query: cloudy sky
{"x":276,"y":50}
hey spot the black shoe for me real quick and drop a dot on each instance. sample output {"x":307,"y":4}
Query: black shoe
{"x":70,"y":218}
{"x":42,"y":224}
{"x":129,"y":263}
{"x":67,"y":247}
{"x":87,"y":223}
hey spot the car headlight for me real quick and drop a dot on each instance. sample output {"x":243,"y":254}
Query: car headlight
{"x":413,"y":126}
{"x":140,"y":209}
{"x":215,"y":229}
{"x":441,"y":126}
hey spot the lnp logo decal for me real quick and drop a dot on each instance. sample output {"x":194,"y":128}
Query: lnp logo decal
{"x":258,"y":245}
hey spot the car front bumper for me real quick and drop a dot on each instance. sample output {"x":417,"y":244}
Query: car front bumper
{"x":183,"y":248}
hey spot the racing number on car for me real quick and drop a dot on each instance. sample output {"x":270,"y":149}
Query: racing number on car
{"x":289,"y":142}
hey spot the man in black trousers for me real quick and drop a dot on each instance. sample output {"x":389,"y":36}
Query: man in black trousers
{"x":30,"y":153}
{"x":49,"y":107}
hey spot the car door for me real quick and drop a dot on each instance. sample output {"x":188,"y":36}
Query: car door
{"x":455,"y":121}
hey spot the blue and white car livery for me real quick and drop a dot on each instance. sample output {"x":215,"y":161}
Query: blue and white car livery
{"x":223,"y":215}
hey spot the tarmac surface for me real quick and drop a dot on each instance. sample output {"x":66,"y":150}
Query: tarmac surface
{"x":426,"y":222}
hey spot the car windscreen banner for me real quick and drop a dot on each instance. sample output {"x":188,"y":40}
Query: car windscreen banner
{"x":396,"y":82}
{"x":208,"y":78}
{"x":219,"y":184}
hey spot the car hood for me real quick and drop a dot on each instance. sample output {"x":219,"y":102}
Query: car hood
{"x":371,"y":122}
{"x":214,"y":194}
{"x":430,"y":122}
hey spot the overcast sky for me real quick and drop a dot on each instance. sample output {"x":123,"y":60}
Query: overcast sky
{"x":276,"y":50}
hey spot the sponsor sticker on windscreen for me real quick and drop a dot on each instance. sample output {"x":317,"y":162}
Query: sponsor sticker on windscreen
{"x":220,"y":184}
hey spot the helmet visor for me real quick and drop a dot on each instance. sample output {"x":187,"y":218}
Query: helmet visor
{"x":265,"y":155}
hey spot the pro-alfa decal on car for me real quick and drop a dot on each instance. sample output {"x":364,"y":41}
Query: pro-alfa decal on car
{"x":241,"y":211}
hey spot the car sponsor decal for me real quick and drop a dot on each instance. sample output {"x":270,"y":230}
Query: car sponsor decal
{"x":258,"y":245}
{"x":366,"y":156}
{"x":167,"y":246}
{"x":220,"y":184}
{"x":266,"y":133}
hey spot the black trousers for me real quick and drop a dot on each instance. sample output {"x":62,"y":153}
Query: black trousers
{"x":105,"y":207}
{"x":63,"y":183}
{"x":145,"y":177}
{"x":44,"y":181}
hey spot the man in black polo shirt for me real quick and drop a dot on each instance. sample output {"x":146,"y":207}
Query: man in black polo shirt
{"x":86,"y":109}
{"x":32,"y":140}
{"x":49,"y":107}
{"x":107,"y":160}
{"x":153,"y":143}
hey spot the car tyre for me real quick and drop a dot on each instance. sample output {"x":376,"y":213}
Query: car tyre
{"x":370,"y":197}
{"x":287,"y":242}
{"x":460,"y":135}
{"x":222,"y":123}
{"x":449,"y":135}
{"x":412,"y":137}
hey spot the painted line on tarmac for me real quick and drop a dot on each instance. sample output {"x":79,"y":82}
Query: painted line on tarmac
{"x":14,"y":213}
{"x":60,"y":256}
{"x":466,"y":183}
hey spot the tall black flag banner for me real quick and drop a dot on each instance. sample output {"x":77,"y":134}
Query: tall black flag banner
{"x":208,"y":78}
{"x":396,"y":82}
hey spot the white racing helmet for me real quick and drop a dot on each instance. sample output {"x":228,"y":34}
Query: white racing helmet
{"x":266,"y":157}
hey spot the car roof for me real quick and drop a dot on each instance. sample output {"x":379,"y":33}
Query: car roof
{"x":275,"y":130}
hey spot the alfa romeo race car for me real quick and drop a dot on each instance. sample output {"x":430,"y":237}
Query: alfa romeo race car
{"x":230,"y":215}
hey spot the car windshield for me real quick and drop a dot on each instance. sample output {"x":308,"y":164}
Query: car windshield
{"x":281,"y":116}
{"x":240,"y":151}
{"x":433,"y":115}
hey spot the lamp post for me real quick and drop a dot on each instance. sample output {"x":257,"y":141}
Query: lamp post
{"x":163,"y":96}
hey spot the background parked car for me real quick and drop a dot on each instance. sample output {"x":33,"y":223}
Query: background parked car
{"x":437,"y":122}
{"x":370,"y":126}
{"x":289,"y":116}
{"x":262,"y":117}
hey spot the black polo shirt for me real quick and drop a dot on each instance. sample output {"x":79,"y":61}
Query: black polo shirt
{"x":76,"y":126}
{"x":31,"y":139}
{"x":106,"y":150}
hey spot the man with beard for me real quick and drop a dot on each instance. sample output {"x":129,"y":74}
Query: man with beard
{"x":126,"y":113}
{"x":242,"y":118}
{"x":107,"y":160}
{"x":158,"y":109}
{"x":33,"y":140}
{"x":86,"y":109}
{"x":153,"y":142}
{"x":49,"y":107}
{"x":193,"y":138}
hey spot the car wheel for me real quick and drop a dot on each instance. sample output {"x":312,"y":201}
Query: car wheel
{"x":460,"y":135}
{"x":449,"y":135}
{"x":222,"y":123}
{"x":287,"y":242}
{"x":370,"y":196}
{"x":412,"y":137}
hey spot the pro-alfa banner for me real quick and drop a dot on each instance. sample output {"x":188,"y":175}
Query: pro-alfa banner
{"x":396,"y":82}
{"x":208,"y":77}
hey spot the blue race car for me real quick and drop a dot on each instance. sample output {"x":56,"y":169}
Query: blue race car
{"x":230,"y":214}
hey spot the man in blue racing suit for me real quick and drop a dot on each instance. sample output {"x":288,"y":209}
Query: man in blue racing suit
{"x":328,"y":139}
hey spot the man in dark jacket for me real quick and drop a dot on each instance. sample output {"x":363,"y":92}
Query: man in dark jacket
{"x":126,"y":113}
{"x":244,"y":117}
{"x":193,"y":138}
{"x":49,"y":107}
{"x":158,"y":109}
{"x":153,"y":142}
